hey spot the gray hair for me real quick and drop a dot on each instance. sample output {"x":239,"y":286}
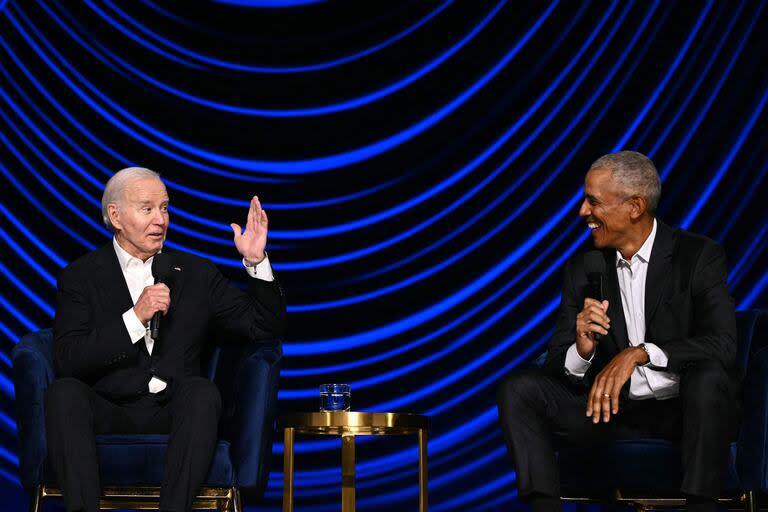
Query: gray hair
{"x":113,"y":191}
{"x":634,"y":173}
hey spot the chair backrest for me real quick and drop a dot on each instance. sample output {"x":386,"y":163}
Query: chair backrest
{"x":32,"y":373}
{"x":752,"y":334}
{"x":39,"y":343}
{"x":248,"y":377}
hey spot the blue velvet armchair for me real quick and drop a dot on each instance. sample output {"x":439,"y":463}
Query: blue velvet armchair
{"x":131,"y":465}
{"x":647,"y":472}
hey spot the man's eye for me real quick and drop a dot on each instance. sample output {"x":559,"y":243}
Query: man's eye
{"x":164,"y":208}
{"x":146,"y":209}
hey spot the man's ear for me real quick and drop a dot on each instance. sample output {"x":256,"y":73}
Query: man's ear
{"x":638,"y":207}
{"x":114,"y":216}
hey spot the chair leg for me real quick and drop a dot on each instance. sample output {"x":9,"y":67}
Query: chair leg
{"x":237,"y":503}
{"x":751,"y":504}
{"x":36,"y":503}
{"x":224,"y":505}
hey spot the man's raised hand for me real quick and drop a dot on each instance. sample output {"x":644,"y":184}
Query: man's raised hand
{"x":252,"y":242}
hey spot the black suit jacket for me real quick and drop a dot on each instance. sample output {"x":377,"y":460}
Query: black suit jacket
{"x":92,"y":344}
{"x":689,"y":312}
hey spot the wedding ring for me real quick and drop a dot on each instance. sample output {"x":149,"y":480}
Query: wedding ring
{"x":606,"y":395}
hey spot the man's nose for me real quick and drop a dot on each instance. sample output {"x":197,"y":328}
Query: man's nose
{"x":160,"y":218}
{"x":584,"y":210}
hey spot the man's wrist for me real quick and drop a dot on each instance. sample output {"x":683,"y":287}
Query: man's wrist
{"x":133,"y":324}
{"x":262,"y":270}
{"x":252,"y":263}
{"x":575,"y":365}
{"x":644,"y":355}
{"x":586,"y":355}
{"x":136,"y":313}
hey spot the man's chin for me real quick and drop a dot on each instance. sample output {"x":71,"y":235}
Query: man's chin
{"x":154,"y":245}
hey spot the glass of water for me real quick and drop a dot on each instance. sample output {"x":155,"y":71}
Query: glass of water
{"x":335,"y":397}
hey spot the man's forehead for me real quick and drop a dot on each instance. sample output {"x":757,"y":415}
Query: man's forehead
{"x":145,"y":189}
{"x":599,"y":173}
{"x":598,"y":180}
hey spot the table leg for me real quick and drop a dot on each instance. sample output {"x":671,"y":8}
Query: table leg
{"x":422,"y":470}
{"x":288,"y":470}
{"x":347,"y":473}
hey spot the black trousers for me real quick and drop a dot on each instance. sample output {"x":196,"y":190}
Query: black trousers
{"x":75,"y":413}
{"x":537,"y":412}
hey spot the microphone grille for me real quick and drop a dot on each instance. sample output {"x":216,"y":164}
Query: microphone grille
{"x":594,"y":262}
{"x":161,"y":265}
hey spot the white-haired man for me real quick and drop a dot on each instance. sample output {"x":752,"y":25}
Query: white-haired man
{"x":664,"y":366}
{"x":113,"y":377}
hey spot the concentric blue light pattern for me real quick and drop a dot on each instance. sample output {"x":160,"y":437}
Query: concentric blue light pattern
{"x":422,"y":165}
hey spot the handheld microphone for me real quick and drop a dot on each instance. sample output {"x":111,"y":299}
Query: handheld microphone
{"x":161,"y":269}
{"x":594,"y":268}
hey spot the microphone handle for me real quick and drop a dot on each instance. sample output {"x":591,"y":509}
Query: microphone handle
{"x":595,"y":280}
{"x":154,"y":324}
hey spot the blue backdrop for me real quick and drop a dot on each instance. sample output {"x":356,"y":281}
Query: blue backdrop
{"x":421,"y":162}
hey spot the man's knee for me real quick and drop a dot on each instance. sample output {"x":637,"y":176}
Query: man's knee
{"x":67,"y":397}
{"x":198,"y":396}
{"x":518,"y":388}
{"x":706,"y":385}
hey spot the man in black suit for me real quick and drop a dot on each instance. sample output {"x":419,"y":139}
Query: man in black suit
{"x":663,"y":366}
{"x":113,"y":376}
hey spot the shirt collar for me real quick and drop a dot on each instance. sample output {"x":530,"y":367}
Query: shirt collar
{"x":126,"y":259}
{"x":644,"y":254}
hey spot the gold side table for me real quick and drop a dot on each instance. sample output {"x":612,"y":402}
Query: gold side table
{"x":348,"y":425}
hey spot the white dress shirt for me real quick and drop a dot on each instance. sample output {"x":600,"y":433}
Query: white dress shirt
{"x":644,"y":382}
{"x":138,"y":275}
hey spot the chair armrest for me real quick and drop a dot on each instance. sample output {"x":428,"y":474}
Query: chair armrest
{"x":32,"y":374}
{"x":752,"y":450}
{"x":249,"y":387}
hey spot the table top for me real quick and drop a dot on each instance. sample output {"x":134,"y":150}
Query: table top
{"x":358,"y":423}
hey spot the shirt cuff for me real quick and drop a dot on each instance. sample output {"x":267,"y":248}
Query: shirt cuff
{"x":656,"y":356}
{"x":262,"y":270}
{"x":576,"y":365}
{"x":136,"y":330}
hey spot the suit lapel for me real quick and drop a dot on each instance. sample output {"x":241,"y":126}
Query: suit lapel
{"x":618,"y":329}
{"x":175,"y":280}
{"x":111,"y":280}
{"x":659,"y":268}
